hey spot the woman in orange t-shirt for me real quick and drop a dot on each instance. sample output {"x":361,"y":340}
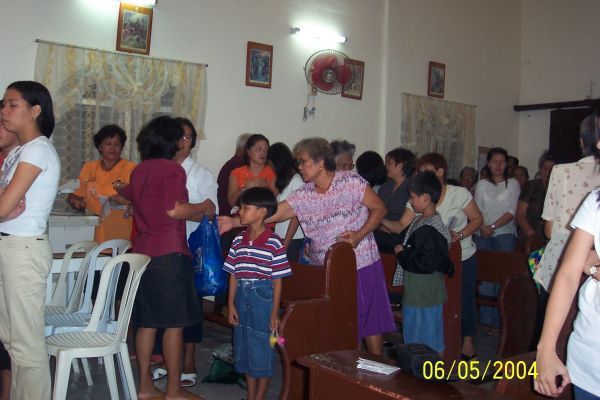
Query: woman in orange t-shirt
{"x":96,"y":185}
{"x":255,"y":173}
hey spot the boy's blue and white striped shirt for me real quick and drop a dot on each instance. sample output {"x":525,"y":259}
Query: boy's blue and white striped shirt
{"x":263,"y":258}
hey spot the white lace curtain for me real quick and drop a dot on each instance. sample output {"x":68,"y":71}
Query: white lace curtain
{"x":91,"y":88}
{"x":434,"y":125}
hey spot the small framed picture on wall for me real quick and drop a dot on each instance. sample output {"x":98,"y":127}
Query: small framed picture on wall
{"x":259,"y":65}
{"x":356,"y":89}
{"x":134,"y":29}
{"x":436,"y":80}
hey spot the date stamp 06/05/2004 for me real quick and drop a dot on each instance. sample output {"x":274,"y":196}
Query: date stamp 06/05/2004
{"x":474,"y":370}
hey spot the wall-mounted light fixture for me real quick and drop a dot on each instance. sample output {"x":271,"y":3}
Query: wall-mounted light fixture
{"x":144,"y":3}
{"x":319,"y":34}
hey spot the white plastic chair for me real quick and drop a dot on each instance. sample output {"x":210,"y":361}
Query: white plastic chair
{"x":78,"y":311}
{"x":91,"y":342}
{"x":61,"y":295}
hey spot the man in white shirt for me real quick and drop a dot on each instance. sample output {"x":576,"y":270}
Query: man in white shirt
{"x":202,"y":188}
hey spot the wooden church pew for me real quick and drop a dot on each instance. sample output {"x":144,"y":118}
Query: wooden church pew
{"x":320,"y":315}
{"x":516,"y":301}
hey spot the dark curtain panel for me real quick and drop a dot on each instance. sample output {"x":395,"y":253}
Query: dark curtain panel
{"x":564,"y":133}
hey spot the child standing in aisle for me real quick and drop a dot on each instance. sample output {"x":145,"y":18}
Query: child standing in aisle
{"x":424,"y":258}
{"x":256,"y":261}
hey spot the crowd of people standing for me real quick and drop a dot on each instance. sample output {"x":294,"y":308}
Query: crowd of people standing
{"x":294,"y":204}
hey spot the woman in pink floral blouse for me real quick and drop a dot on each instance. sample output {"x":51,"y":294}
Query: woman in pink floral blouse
{"x":340,"y":206}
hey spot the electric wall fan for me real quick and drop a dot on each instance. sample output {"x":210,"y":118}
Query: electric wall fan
{"x":329,"y":71}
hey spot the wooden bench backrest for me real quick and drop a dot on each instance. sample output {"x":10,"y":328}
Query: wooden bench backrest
{"x":517,"y":298}
{"x":306,"y":282}
{"x":452,"y":308}
{"x":529,"y":244}
{"x":523,"y":389}
{"x":320,"y":314}
{"x":389,"y":267}
{"x":497,"y":266}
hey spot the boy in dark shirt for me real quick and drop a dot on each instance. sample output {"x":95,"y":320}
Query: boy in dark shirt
{"x":424,"y":259}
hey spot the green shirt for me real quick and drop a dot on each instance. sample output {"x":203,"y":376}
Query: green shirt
{"x":424,"y":290}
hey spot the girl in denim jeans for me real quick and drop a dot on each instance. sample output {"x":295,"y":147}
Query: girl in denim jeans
{"x":256,"y":261}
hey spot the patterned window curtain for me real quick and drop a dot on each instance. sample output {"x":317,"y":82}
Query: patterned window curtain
{"x":434,"y":125}
{"x":92,"y":88}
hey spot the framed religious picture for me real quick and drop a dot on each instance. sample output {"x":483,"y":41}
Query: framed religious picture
{"x":436,"y":80}
{"x":134,"y":29}
{"x":355,"y":90}
{"x":259,"y":65}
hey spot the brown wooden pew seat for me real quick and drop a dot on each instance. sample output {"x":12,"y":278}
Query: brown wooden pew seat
{"x":523,"y":388}
{"x":516,"y":301}
{"x":320,"y":315}
{"x":529,"y":244}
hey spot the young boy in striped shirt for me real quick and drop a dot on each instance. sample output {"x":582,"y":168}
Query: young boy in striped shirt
{"x":256,"y":262}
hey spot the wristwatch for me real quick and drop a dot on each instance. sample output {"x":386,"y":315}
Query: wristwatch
{"x":493,"y":226}
{"x":462,"y":235}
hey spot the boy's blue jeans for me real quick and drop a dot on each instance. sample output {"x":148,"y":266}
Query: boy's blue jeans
{"x":424,"y":325}
{"x":252,"y":351}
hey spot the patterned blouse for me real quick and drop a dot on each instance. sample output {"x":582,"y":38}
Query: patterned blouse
{"x":568,"y":186}
{"x":324,"y":217}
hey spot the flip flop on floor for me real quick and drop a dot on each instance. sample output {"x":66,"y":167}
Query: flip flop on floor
{"x":188,"y":380}
{"x":158,"y":373}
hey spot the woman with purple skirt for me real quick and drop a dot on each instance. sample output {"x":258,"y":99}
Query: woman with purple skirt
{"x":340,"y":206}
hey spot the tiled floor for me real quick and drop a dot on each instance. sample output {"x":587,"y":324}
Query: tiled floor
{"x":215,"y":335}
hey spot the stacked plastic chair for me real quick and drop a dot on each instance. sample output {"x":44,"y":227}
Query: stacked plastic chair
{"x":79,"y":309}
{"x":93,"y":340}
{"x":61,"y":296}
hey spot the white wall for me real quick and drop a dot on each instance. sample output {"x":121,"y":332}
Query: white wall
{"x":216,"y":32}
{"x":560,"y":55}
{"x":479,"y":42}
{"x":497,"y":54}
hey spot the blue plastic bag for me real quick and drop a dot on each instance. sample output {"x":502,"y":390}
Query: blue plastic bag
{"x":205,"y":245}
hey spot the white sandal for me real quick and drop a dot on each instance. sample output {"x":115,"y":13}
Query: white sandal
{"x":158,"y":373}
{"x":191,"y":377}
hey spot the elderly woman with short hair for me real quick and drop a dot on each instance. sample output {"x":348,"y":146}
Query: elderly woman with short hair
{"x":339,"y":205}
